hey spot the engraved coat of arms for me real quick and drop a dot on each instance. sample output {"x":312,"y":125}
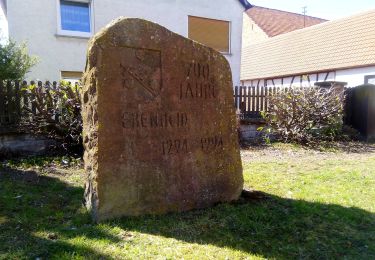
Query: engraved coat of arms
{"x":141,"y":71}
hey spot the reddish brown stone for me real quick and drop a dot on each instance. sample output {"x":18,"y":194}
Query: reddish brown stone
{"x":159,"y":123}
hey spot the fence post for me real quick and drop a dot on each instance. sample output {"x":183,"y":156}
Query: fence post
{"x":9,"y":102}
{"x":266,"y":98}
{"x":24,"y":96}
{"x":248,"y":101}
{"x":236,"y":97}
{"x":262,"y":98}
{"x":252,"y":93}
{"x":2,"y":102}
{"x":33,"y":107}
{"x":17,"y":101}
{"x":257,"y":99}
{"x":240,"y":99}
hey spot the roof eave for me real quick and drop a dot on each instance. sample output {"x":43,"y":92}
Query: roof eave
{"x":3,"y":5}
{"x":246,"y":4}
{"x":300,"y":73}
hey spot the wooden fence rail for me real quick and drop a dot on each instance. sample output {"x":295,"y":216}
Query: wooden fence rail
{"x":10,"y":102}
{"x":13,"y":100}
{"x":252,"y":100}
{"x":249,"y":100}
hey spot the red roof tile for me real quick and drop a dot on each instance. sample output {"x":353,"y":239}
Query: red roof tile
{"x":339,"y":44}
{"x":274,"y":22}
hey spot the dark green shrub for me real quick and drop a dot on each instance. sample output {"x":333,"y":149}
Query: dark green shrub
{"x":15,"y":61}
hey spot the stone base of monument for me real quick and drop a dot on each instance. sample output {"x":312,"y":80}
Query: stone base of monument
{"x":159,"y":123}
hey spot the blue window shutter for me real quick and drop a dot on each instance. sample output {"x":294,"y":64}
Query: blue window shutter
{"x":75,"y":16}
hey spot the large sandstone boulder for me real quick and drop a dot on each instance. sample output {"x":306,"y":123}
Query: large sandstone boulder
{"x":159,"y":123}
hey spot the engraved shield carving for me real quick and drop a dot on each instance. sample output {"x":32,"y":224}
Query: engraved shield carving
{"x":144,"y":72}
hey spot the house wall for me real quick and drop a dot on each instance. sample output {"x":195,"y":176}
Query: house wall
{"x":298,"y":80}
{"x":36,"y":22}
{"x":354,"y":77}
{"x":252,"y":33}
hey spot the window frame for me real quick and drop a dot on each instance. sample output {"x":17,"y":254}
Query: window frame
{"x":229,"y":52}
{"x":61,"y":32}
{"x":368,"y":77}
{"x":72,"y":80}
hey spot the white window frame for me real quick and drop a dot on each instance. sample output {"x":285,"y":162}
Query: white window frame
{"x":369,"y":78}
{"x":61,"y":32}
{"x":72,"y":80}
{"x":229,"y":52}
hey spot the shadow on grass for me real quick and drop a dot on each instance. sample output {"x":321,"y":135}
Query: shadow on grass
{"x":39,"y":214}
{"x":354,"y":147}
{"x":42,"y":216}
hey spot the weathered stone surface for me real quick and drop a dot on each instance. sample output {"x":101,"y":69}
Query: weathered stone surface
{"x":159,"y":123}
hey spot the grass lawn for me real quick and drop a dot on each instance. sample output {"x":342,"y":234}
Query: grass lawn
{"x":311,"y":205}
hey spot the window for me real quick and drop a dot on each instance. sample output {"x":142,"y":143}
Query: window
{"x":370,"y":79}
{"x":75,"y":18}
{"x":71,"y":76}
{"x":213,"y":33}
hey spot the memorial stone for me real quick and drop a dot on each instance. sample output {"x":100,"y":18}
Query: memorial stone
{"x":159,"y":123}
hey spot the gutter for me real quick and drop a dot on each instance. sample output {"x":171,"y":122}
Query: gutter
{"x":3,"y":5}
{"x":246,"y":4}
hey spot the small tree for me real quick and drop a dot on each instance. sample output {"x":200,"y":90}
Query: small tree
{"x":305,"y":115}
{"x":15,"y":61}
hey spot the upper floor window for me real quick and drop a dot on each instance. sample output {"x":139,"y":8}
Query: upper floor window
{"x":71,"y":76}
{"x":75,"y":17}
{"x":370,"y":79}
{"x":210,"y":32}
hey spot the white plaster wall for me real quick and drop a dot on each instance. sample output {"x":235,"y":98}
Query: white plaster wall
{"x":297,"y":82}
{"x":252,"y":33}
{"x":36,"y":22}
{"x":354,"y":77}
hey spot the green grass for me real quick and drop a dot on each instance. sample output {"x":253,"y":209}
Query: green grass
{"x":315,"y":205}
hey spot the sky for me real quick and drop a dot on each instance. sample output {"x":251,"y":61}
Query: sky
{"x":327,"y":9}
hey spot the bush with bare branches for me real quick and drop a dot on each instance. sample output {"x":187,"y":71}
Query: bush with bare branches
{"x":305,"y":115}
{"x":55,"y":112}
